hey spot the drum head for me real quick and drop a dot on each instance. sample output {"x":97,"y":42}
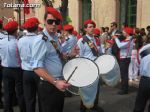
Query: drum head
{"x":105,"y":63}
{"x":85,"y":74}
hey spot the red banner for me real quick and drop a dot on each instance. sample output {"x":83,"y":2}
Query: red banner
{"x":26,"y":9}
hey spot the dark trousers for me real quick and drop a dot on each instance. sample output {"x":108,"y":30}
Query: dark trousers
{"x":30,"y":86}
{"x":143,"y":95}
{"x":1,"y":76}
{"x":82,"y":107}
{"x":52,"y":99}
{"x":124,"y":66}
{"x":12,"y":79}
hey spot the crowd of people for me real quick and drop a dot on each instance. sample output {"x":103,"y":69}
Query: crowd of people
{"x":32,"y":63}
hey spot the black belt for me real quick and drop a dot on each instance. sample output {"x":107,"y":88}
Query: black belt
{"x":13,"y":68}
{"x":145,"y":77}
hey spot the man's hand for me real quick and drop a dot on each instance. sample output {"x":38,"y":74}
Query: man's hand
{"x":74,"y":51}
{"x":61,"y":85}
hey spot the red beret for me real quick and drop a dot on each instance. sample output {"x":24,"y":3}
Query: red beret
{"x":1,"y":22}
{"x":75,"y":33}
{"x":89,"y":22}
{"x":97,"y":31}
{"x":128,"y":30}
{"x":31,"y":23}
{"x":54,"y":12}
{"x":68,"y":27}
{"x":60,"y":27}
{"x":11,"y":26}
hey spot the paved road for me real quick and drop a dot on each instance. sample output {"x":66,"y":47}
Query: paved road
{"x":108,"y":100}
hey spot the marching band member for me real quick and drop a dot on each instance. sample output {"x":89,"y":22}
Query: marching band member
{"x":12,"y":73}
{"x":88,"y":49}
{"x":30,"y":79}
{"x":125,"y":48}
{"x":2,"y":35}
{"x":46,"y":62}
{"x":144,"y":87}
{"x":70,"y":41}
{"x":96,"y":33}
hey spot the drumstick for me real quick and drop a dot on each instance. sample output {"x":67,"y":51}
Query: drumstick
{"x":71,"y":74}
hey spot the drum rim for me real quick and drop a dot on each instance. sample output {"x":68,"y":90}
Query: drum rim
{"x":90,"y":60}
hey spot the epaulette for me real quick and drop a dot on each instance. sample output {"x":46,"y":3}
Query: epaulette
{"x":44,"y":37}
{"x":67,"y":39}
{"x":4,"y":33}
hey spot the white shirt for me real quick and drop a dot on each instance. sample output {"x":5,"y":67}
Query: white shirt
{"x":145,"y":62}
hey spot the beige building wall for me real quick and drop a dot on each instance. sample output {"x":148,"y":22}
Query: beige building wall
{"x":39,"y":12}
{"x":74,"y":13}
{"x":104,"y":12}
{"x":143,"y":13}
{"x":6,"y":12}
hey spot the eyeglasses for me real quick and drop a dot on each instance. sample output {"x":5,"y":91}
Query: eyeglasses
{"x":51,"y":21}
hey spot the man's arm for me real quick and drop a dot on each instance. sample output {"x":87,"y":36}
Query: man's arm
{"x":60,"y":84}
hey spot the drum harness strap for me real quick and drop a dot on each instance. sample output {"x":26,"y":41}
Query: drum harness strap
{"x":92,"y":47}
{"x":45,"y":38}
{"x":145,"y":53}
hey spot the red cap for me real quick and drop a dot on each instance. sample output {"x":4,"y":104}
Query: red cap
{"x":110,"y":41}
{"x":11,"y":26}
{"x":60,"y":27}
{"x":40,"y":28}
{"x":75,"y":33}
{"x":54,"y":12}
{"x":1,"y":22}
{"x":31,"y":23}
{"x":128,"y":30}
{"x":68,"y":27}
{"x":97,"y":31}
{"x":89,"y":22}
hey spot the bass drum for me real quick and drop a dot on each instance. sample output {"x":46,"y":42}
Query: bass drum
{"x":109,"y":69}
{"x":81,"y":72}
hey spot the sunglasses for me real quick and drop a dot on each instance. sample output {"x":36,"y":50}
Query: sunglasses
{"x":51,"y":21}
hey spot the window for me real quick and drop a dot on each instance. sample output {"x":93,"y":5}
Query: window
{"x":132,"y":4}
{"x":86,"y":10}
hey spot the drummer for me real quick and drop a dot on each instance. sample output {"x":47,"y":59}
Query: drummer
{"x":46,"y":62}
{"x":89,"y":49}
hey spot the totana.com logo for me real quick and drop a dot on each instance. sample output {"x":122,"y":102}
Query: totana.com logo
{"x":14,"y":5}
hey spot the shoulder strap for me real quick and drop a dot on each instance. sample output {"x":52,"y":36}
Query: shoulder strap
{"x":85,"y":39}
{"x":93,"y":49}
